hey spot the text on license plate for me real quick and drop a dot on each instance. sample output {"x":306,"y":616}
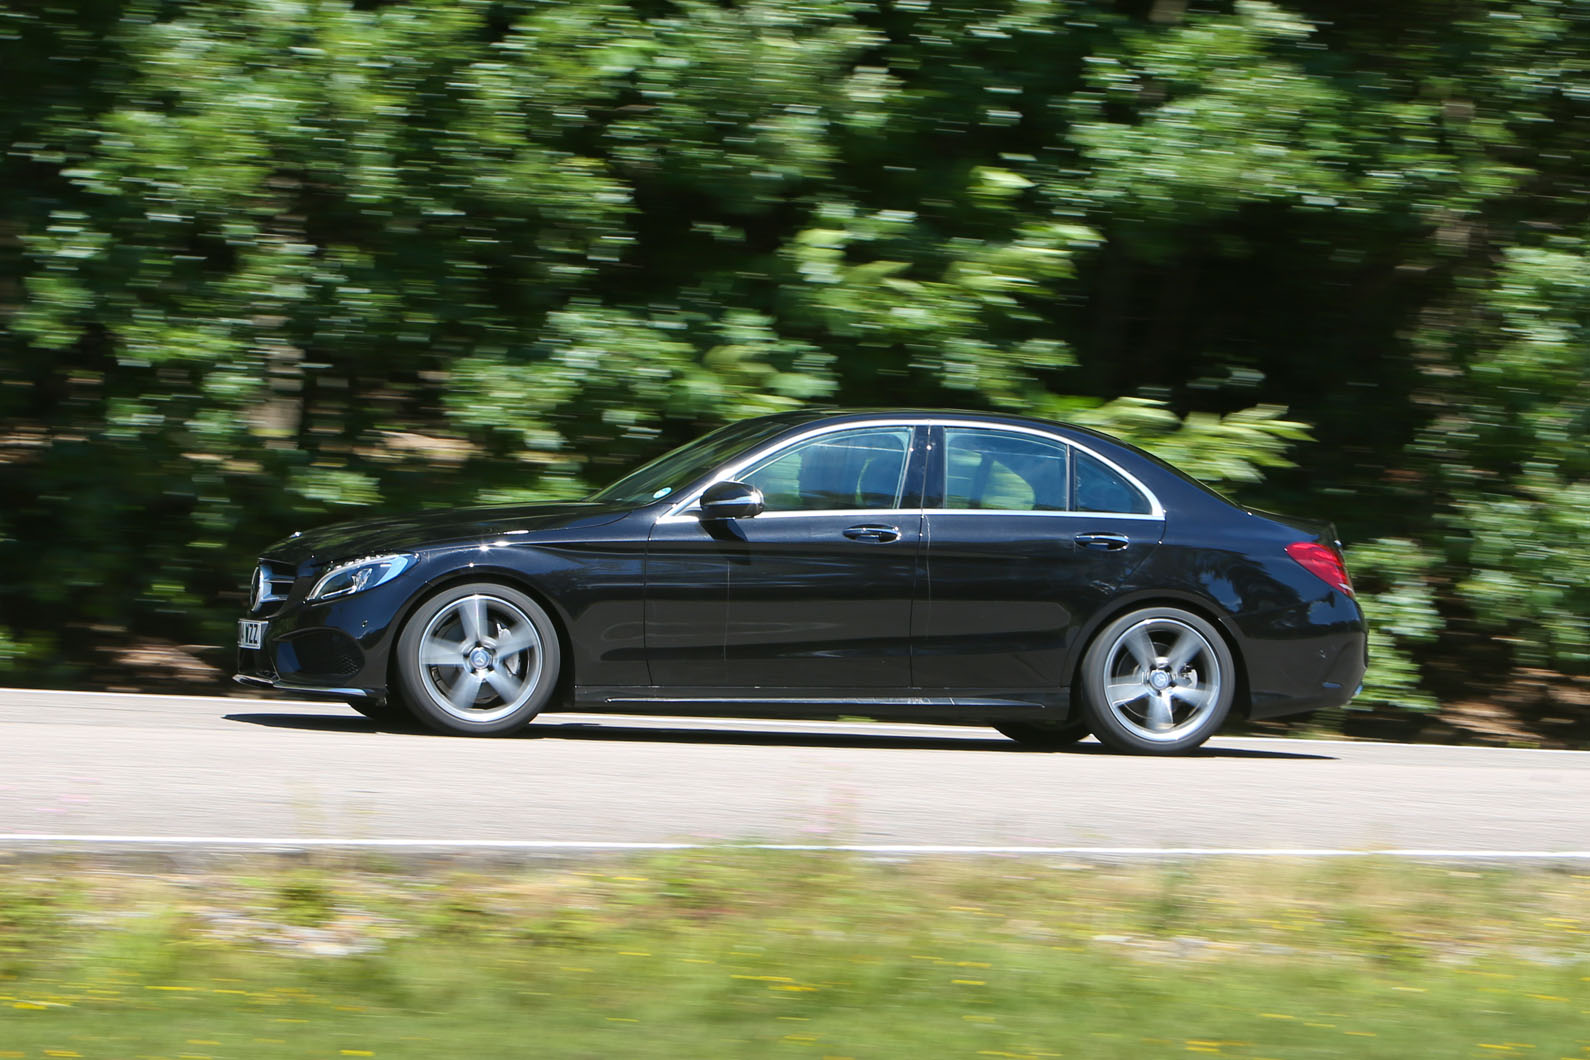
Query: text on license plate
{"x":251,"y":633}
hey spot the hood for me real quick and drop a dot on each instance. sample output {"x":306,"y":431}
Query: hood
{"x":406,"y":533}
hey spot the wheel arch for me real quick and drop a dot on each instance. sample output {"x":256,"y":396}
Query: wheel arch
{"x":515,"y":579}
{"x":1241,"y":701}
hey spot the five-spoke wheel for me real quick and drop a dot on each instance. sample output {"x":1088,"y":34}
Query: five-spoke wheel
{"x":1157,"y":681}
{"x":478,"y":659}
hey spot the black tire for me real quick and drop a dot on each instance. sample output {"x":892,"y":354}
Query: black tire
{"x":479,"y":659}
{"x":1044,"y":736}
{"x":388,"y":714}
{"x":1185,"y":671}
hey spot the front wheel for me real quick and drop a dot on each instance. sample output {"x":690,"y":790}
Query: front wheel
{"x":1159,"y":680}
{"x":480,"y":659}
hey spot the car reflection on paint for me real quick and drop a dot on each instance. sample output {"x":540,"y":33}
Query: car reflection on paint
{"x":1040,"y":578}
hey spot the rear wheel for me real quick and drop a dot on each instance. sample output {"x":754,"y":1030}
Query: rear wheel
{"x":480,"y":659}
{"x":1044,"y":736}
{"x":1157,"y":681}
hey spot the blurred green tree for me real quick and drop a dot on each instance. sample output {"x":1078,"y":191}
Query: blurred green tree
{"x":277,"y":261}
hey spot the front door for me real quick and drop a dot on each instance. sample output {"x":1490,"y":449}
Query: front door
{"x":814,"y":593}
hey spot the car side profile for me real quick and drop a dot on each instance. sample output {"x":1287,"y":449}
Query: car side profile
{"x":1041,"y":578}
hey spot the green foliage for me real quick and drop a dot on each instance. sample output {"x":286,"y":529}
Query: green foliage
{"x":1530,"y":567}
{"x":1522,"y":487}
{"x":956,"y":314}
{"x":1228,"y":450}
{"x":277,"y":261}
{"x":305,"y":897}
{"x":1235,"y":119}
{"x":32,"y":914}
{"x":11,"y":653}
{"x":1392,"y":578}
{"x":601,"y":376}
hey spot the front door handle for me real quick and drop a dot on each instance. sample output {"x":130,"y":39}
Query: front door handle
{"x":1103,"y":540}
{"x":880,"y":534}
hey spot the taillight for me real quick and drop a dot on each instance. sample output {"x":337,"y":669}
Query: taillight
{"x":1322,"y":561}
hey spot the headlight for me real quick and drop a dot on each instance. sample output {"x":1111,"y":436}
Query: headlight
{"x":357,"y":575}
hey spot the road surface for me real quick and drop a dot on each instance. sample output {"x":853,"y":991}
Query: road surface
{"x":80,"y":770}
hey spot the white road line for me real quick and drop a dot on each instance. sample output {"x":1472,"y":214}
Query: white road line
{"x":532,"y":845}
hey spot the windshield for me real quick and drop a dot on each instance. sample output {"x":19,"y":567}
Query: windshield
{"x":673,"y":471}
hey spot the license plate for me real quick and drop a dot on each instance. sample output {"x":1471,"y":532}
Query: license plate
{"x":251,"y":633}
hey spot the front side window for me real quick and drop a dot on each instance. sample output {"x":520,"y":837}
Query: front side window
{"x":1003,"y":471}
{"x":863,"y":468}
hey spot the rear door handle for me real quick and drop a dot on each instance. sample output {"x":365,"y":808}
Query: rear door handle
{"x":1103,"y":540}
{"x":879,"y":534}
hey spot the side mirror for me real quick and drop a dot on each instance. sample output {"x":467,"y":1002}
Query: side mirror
{"x":730,"y":500}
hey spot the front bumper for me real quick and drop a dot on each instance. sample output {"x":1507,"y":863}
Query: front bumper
{"x":336,"y":649}
{"x":308,"y":691}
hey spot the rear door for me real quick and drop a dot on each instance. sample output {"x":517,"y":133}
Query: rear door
{"x":1025,"y":535}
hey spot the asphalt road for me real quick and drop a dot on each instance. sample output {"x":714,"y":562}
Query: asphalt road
{"x":82,"y":770}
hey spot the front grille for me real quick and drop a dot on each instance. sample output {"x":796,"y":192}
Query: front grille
{"x":269,"y":587}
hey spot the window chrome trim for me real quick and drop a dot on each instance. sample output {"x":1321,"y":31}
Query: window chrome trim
{"x":850,"y":513}
{"x":677,"y":513}
{"x":1030,"y":511}
{"x":1155,"y":509}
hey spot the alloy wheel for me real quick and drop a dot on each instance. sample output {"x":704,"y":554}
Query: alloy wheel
{"x":1162,"y":679}
{"x":481,"y":658}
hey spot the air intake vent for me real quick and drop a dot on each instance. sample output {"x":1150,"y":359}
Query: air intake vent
{"x":323,"y":653}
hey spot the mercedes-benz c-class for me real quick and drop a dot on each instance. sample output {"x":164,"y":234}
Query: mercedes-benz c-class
{"x":980,"y":569}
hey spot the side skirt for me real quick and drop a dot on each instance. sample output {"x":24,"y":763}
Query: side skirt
{"x":965,"y":707}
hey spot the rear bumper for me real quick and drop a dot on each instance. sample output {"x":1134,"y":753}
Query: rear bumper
{"x":1306,"y":664}
{"x":1341,"y":678}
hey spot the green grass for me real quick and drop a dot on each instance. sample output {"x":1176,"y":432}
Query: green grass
{"x":738,"y":953}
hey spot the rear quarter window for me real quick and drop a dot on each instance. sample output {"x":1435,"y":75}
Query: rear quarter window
{"x":1098,"y":487}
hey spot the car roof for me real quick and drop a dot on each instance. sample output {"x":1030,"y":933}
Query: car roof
{"x":805,"y":416}
{"x":1095,"y":438}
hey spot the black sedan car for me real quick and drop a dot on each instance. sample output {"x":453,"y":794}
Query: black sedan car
{"x":1040,"y":578}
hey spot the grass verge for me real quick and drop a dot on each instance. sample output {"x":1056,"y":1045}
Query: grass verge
{"x":751,"y":953}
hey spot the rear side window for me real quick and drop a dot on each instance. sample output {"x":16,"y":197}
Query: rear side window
{"x":1097,"y":487}
{"x":1003,"y":471}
